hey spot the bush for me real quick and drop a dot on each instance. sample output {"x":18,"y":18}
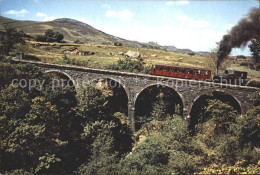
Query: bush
{"x":130,"y":65}
{"x":255,"y":97}
{"x":241,"y":56}
{"x":9,"y":38}
{"x":150,"y":157}
{"x":246,"y":128}
{"x":239,"y":168}
{"x":168,"y":149}
{"x":77,"y":41}
{"x":118,"y":44}
{"x":41,"y":38}
{"x":50,"y":36}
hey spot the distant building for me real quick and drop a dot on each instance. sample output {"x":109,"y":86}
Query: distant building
{"x":76,"y":51}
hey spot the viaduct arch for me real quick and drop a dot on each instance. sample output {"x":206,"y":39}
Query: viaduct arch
{"x":63,"y":73}
{"x":227,"y":92}
{"x":143,"y":99}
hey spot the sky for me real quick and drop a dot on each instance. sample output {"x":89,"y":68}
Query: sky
{"x":194,"y":24}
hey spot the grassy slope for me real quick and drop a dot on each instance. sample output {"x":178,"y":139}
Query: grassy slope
{"x":106,"y":55}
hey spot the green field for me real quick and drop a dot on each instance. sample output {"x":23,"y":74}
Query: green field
{"x":105,"y":55}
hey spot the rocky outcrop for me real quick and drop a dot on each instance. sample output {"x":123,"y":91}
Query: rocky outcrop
{"x":133,"y":54}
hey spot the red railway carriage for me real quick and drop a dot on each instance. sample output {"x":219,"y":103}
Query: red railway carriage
{"x":181,"y":72}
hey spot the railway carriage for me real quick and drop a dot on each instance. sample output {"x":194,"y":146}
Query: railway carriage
{"x":237,"y":77}
{"x":181,"y":72}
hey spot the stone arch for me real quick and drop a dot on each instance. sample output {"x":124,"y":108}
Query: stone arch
{"x":64,"y":73}
{"x":143,"y":102}
{"x":126,"y":94}
{"x":216,"y":90}
{"x":114,"y":79}
{"x":159,"y":84}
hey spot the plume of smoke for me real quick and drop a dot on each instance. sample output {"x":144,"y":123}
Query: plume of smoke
{"x":246,"y":30}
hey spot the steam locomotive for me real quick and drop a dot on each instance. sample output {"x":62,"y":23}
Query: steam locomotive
{"x":237,"y":77}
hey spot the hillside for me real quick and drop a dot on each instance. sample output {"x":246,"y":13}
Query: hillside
{"x":186,"y":51}
{"x":73,"y":30}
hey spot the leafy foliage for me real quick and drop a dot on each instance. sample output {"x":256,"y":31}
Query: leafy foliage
{"x":239,"y":168}
{"x":118,"y":44}
{"x":157,"y":106}
{"x":255,"y":49}
{"x":255,"y":97}
{"x":218,"y":107}
{"x":37,"y":127}
{"x":50,"y":36}
{"x":159,"y":110}
{"x":9,"y":38}
{"x":168,"y":149}
{"x":221,"y":114}
{"x":104,"y":135}
{"x":130,"y":65}
{"x":104,"y":156}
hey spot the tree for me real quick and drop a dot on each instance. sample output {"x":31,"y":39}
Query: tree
{"x":41,"y":38}
{"x":103,"y":151}
{"x":149,"y":157}
{"x":58,"y":37}
{"x":91,"y":104}
{"x":222,"y":114}
{"x":130,"y":65}
{"x":255,"y":49}
{"x":7,"y":73}
{"x":50,"y":36}
{"x":159,"y":109}
{"x":168,"y":149}
{"x":9,"y":38}
{"x":238,"y":168}
{"x":118,"y":44}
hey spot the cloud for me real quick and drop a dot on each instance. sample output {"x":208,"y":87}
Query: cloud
{"x":84,"y":20}
{"x":106,"y":6}
{"x":36,"y":1}
{"x":40,"y":14}
{"x":44,"y":16}
{"x":124,"y":14}
{"x":192,"y":23}
{"x":20,"y":13}
{"x":177,"y":2}
{"x":49,"y":18}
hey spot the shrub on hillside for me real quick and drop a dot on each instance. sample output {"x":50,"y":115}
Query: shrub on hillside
{"x":118,"y":44}
{"x":130,"y":65}
{"x":50,"y":36}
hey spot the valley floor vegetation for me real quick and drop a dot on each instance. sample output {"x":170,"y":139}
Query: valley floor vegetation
{"x":64,"y":132}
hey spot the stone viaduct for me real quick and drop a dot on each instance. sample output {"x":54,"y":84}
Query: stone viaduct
{"x":134,"y":83}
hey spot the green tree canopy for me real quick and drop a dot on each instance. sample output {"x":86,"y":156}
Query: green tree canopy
{"x":9,"y":38}
{"x":255,"y":49}
{"x":50,"y":36}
